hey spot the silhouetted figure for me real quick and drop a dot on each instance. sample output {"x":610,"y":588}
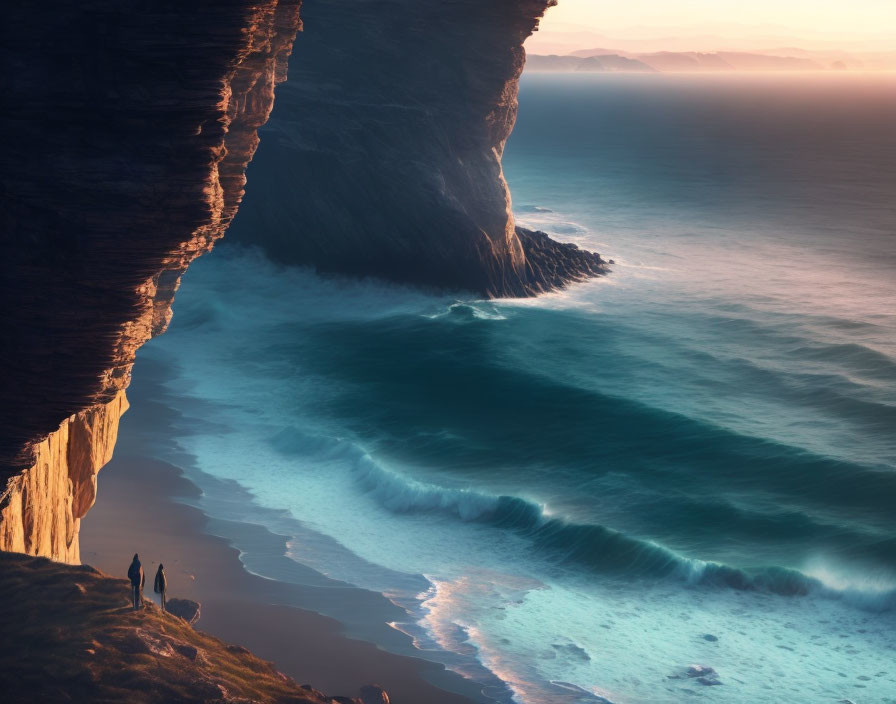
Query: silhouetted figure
{"x":135,"y":574}
{"x":161,"y":584}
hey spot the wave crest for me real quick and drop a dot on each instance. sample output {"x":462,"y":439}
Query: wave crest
{"x":595,"y":547}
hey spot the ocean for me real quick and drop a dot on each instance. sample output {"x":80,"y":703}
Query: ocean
{"x":576,"y":498}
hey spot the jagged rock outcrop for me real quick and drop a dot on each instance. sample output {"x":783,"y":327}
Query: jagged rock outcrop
{"x":126,"y":134}
{"x":384,"y":155}
{"x":551,"y":265}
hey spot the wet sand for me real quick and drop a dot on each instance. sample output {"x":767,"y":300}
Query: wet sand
{"x":140,"y":509}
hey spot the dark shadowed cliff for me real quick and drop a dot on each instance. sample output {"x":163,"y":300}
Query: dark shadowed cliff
{"x":126,"y":135}
{"x":383,"y":156}
{"x":126,"y":132}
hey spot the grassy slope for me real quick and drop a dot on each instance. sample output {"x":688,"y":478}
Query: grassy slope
{"x":68,"y":634}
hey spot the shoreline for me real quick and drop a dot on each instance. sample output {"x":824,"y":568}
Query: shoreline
{"x":143,"y":506}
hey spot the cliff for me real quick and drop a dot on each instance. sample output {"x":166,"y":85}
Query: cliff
{"x":126,"y":134}
{"x":384,"y":155}
{"x":76,"y":638}
{"x":125,"y":142}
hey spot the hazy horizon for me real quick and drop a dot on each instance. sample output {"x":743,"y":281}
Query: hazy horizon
{"x":717,"y":25}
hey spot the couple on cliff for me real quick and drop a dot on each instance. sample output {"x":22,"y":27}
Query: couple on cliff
{"x":138,"y":579}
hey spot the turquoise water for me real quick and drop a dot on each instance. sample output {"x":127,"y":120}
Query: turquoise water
{"x":691,"y":461}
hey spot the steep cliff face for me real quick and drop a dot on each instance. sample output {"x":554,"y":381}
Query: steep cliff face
{"x":43,"y":505}
{"x":125,"y":139}
{"x":384,"y":155}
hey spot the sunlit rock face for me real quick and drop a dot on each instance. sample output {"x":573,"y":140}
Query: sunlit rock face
{"x":384,"y":154}
{"x":126,"y":134}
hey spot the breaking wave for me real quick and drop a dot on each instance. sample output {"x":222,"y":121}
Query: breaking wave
{"x":595,"y":547}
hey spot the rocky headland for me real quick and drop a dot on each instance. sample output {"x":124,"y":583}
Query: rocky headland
{"x":383,"y":157}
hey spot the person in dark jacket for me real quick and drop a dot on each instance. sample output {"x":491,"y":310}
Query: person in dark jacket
{"x":161,"y":584}
{"x":138,"y":579}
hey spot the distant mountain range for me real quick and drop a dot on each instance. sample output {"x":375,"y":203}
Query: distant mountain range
{"x":600,"y":60}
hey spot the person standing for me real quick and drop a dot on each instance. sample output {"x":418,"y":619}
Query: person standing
{"x":161,"y":584}
{"x":135,"y":574}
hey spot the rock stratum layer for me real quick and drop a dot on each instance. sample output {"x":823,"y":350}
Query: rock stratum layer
{"x":384,"y":155}
{"x":126,"y":136}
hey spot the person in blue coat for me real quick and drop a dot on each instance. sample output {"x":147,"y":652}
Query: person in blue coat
{"x":135,"y":574}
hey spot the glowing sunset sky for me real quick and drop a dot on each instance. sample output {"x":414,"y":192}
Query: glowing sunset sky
{"x":856,"y":25}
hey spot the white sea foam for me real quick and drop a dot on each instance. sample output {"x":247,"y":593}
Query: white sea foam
{"x":461,"y":311}
{"x":707,"y":330}
{"x":494,"y":602}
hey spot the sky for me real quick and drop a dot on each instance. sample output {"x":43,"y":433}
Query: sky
{"x":854,"y":25}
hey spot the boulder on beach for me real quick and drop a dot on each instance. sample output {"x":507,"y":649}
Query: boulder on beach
{"x":187,"y":609}
{"x":373,"y":694}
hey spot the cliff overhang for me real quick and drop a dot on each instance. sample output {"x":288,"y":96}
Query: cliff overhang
{"x":126,"y":135}
{"x":128,"y":131}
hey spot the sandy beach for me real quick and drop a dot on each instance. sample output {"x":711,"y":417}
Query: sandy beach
{"x":140,"y":509}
